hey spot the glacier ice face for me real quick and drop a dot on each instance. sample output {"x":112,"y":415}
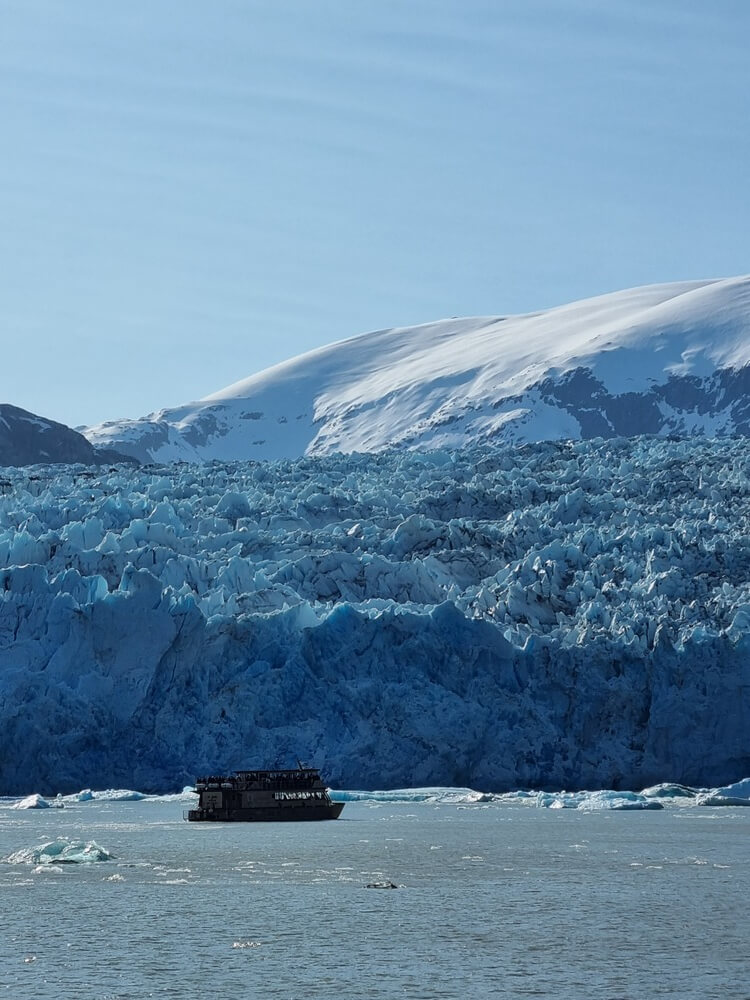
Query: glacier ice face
{"x":559,"y":615}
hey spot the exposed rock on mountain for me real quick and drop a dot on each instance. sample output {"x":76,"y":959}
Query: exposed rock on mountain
{"x":28,"y":439}
{"x":663,"y":359}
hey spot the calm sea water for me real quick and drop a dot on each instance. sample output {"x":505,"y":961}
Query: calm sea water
{"x":494,"y":901}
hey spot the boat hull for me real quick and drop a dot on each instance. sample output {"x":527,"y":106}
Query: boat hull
{"x":270,"y":814}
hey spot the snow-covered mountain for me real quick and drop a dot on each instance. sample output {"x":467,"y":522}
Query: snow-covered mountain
{"x":28,"y":439}
{"x":662,"y":359}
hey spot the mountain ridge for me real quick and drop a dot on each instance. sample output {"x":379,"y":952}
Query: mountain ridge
{"x":29,"y":439}
{"x":659,"y":359}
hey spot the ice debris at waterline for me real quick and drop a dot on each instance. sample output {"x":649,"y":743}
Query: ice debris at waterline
{"x":655,"y":797}
{"x":596,"y":801}
{"x":557,"y":615}
{"x":61,"y":852}
{"x":188,"y":794}
{"x":438,"y":796}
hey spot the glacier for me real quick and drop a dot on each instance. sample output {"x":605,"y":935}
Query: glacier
{"x":559,"y":615}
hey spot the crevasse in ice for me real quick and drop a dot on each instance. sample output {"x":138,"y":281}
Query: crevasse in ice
{"x":557,"y":615}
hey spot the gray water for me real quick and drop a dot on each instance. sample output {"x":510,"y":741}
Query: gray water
{"x":493,"y":901}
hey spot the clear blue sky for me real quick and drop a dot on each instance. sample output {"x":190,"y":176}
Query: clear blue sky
{"x":191,"y":192}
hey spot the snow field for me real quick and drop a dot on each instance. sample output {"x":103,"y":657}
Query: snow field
{"x":660,"y":359}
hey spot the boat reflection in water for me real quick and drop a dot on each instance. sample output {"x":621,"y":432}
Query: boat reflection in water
{"x":264,"y":796}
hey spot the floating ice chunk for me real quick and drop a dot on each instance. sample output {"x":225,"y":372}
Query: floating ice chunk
{"x":736,"y":794}
{"x":737,"y":790}
{"x":118,"y":795}
{"x":669,"y":790}
{"x":61,"y":851}
{"x":32,"y":802}
{"x":106,"y":795}
{"x":718,"y":798}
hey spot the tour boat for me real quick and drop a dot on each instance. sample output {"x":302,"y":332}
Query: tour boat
{"x":264,"y":796}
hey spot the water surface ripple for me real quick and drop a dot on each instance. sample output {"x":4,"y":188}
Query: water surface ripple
{"x":494,"y":900}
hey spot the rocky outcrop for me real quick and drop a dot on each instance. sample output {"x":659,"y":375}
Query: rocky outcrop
{"x":28,"y":439}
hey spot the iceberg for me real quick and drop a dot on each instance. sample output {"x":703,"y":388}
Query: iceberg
{"x":736,"y":794}
{"x":669,"y":791}
{"x":32,"y":802}
{"x":737,"y":790}
{"x":61,"y":852}
{"x":719,"y":799}
{"x":118,"y":795}
{"x":559,"y":615}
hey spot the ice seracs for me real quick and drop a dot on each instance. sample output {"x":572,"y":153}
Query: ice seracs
{"x":661,"y":359}
{"x":556,"y":615}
